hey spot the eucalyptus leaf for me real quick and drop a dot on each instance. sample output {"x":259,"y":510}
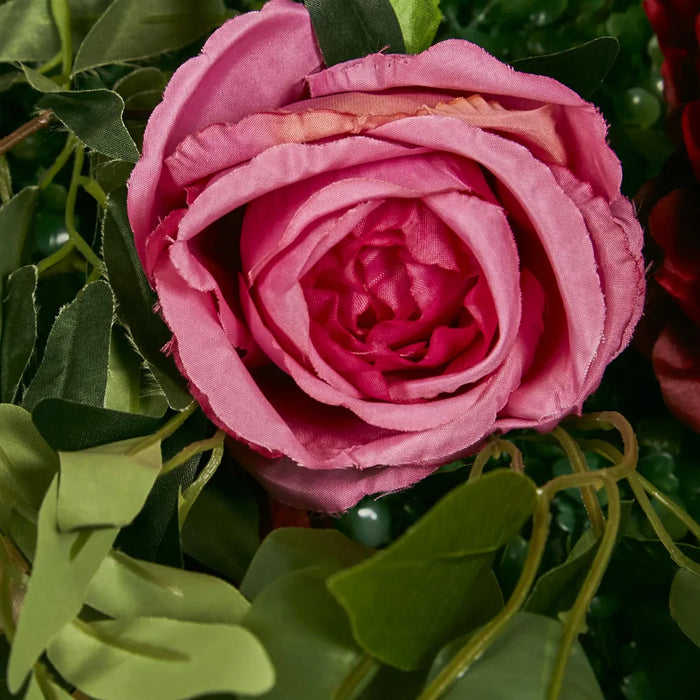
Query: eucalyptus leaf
{"x":27,"y":31}
{"x":419,"y":20}
{"x":518,"y":664}
{"x":290,"y":549}
{"x":75,"y":360}
{"x":582,"y":68}
{"x":685,"y":603}
{"x":95,"y":117}
{"x":125,"y":587}
{"x":348,"y":29}
{"x":19,"y":321}
{"x":106,"y":486}
{"x":136,"y":300}
{"x":67,"y":425}
{"x":135,"y":29}
{"x":63,"y":566}
{"x":439,"y":570}
{"x":160,"y":659}
{"x":27,"y":463}
{"x":307,"y":635}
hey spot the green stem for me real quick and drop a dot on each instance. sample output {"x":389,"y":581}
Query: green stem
{"x":193,"y":449}
{"x":7,"y":623}
{"x":590,"y":585}
{"x":666,"y":539}
{"x":51,"y":63}
{"x":49,"y":261}
{"x":478,"y":643}
{"x":60,"y":9}
{"x":578,"y":462}
{"x":61,"y":160}
{"x":166,"y":430}
{"x":516,"y":456}
{"x":358,"y":678}
{"x":482,"y":458}
{"x":92,"y":187}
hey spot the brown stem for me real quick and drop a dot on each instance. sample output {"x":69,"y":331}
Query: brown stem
{"x":41,"y":121}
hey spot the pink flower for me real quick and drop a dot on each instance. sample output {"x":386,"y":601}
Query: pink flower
{"x":370,"y":268}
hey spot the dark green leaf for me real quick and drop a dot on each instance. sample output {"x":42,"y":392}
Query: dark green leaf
{"x":135,"y":300}
{"x":685,"y":603}
{"x":289,"y":549}
{"x":124,"y":587}
{"x":556,"y":590}
{"x":19,"y":330}
{"x":134,"y":29}
{"x":440,"y":569}
{"x":95,"y":117}
{"x":67,"y":425}
{"x":518,"y":664}
{"x":307,"y":635}
{"x":582,"y":68}
{"x":106,"y":486}
{"x":160,"y":659}
{"x":221,"y":530}
{"x":112,"y":174}
{"x":77,"y":351}
{"x":348,"y":29}
{"x":27,"y":464}
{"x":16,"y":222}
{"x":419,"y":20}
{"x":27,"y":31}
{"x":141,"y":80}
{"x":63,"y":566}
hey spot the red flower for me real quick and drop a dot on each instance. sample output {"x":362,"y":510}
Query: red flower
{"x":674,"y":222}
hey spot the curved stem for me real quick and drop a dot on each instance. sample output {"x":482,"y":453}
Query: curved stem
{"x":51,"y":63}
{"x":58,"y":164}
{"x":588,"y":494}
{"x":193,"y":449}
{"x":92,"y":187}
{"x":481,"y":460}
{"x":358,"y":678}
{"x":516,"y":456}
{"x":590,"y":585}
{"x":481,"y":640}
{"x":50,"y":260}
{"x":166,"y":430}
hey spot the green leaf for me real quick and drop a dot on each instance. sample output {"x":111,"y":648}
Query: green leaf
{"x":290,"y":549}
{"x":77,"y":351}
{"x":440,"y":570}
{"x":419,"y":20}
{"x":19,"y":330}
{"x":348,"y":29}
{"x":160,"y":659}
{"x":95,"y":117}
{"x":221,"y":530}
{"x":518,"y":664}
{"x":141,"y":80}
{"x":105,"y":486}
{"x":125,"y":587}
{"x":69,"y":426}
{"x":27,"y":464}
{"x":685,"y":603}
{"x":27,"y":31}
{"x":45,"y":689}
{"x":556,"y":590}
{"x":134,"y":29}
{"x":307,"y":635}
{"x":16,"y":228}
{"x":63,"y":566}
{"x":187,"y":498}
{"x":136,"y":300}
{"x":112,"y":174}
{"x":582,"y":68}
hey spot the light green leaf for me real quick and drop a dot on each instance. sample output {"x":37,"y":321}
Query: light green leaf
{"x":125,"y":587}
{"x":518,"y":664}
{"x":160,"y":659}
{"x":63,"y":566}
{"x":419,"y":20}
{"x":135,"y":29}
{"x":95,"y":117}
{"x":19,"y":330}
{"x":685,"y":603}
{"x":45,"y":689}
{"x":105,"y":486}
{"x":27,"y":464}
{"x":70,"y":426}
{"x":290,"y":549}
{"x":136,"y":299}
{"x":77,"y":351}
{"x":438,"y":570}
{"x":307,"y":635}
{"x":123,"y":390}
{"x":27,"y":31}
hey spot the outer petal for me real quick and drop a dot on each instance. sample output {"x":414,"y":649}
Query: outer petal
{"x":237,"y":73}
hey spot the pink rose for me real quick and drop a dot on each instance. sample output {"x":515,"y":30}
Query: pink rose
{"x":370,"y":268}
